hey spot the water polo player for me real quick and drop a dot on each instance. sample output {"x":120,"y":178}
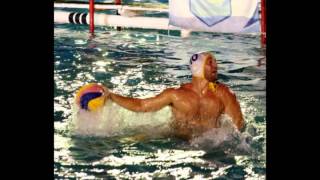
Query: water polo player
{"x":196,"y":106}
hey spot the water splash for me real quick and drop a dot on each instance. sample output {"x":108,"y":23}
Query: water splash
{"x":226,"y":138}
{"x":113,"y":120}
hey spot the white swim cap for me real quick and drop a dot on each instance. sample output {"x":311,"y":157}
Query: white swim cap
{"x":197,"y":63}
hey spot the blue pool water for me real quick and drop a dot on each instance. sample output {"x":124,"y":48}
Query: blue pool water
{"x":140,"y":63}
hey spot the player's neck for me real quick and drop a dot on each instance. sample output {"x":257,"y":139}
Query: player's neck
{"x":200,"y":85}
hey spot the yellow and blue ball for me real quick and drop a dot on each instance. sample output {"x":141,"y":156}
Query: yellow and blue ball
{"x":91,"y":97}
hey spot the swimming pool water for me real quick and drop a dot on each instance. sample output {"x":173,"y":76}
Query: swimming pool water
{"x":141,"y":63}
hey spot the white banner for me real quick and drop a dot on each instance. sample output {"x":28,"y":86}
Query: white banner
{"x":215,"y":15}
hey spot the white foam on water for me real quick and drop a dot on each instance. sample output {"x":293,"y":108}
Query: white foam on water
{"x":114,"y":120}
{"x":227,"y":137}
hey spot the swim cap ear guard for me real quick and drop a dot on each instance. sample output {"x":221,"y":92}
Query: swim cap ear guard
{"x":194,"y":58}
{"x":197,"y":63}
{"x":90,"y":97}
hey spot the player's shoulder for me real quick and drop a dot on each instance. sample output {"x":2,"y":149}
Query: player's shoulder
{"x":186,"y":86}
{"x":170,"y":90}
{"x":223,"y":88}
{"x":173,"y":90}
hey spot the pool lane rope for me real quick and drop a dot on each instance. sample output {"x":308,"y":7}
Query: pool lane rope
{"x":62,"y":17}
{"x":78,"y":18}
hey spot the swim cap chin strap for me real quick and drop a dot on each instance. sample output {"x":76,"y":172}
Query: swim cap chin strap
{"x":213,"y":86}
